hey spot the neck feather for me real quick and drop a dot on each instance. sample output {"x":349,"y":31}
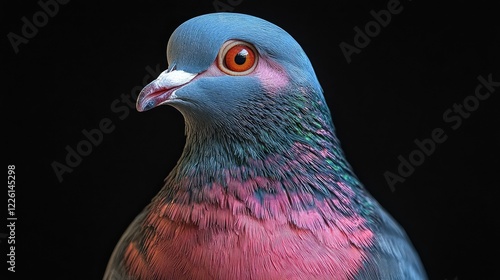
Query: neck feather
{"x":268,"y":165}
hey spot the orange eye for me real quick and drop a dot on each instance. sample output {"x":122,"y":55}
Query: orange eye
{"x":237,"y":58}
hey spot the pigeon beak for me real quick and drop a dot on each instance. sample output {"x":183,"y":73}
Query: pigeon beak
{"x":162,"y":89}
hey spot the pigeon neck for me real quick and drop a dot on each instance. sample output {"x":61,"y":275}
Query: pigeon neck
{"x":267,"y":172}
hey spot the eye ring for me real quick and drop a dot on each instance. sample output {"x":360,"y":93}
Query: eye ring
{"x":237,"y":58}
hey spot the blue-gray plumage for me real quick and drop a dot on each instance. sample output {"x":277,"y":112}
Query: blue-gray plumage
{"x":262,"y":189}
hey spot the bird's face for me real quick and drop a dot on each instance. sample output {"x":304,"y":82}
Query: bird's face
{"x":223,"y":64}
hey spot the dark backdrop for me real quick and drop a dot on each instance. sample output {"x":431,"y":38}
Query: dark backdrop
{"x":78,"y":66}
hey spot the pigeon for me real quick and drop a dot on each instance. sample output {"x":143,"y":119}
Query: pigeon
{"x":262,"y":189}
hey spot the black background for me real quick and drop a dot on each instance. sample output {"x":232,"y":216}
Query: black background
{"x":394,"y":91}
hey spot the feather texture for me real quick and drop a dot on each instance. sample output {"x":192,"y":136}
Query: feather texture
{"x":262,"y":189}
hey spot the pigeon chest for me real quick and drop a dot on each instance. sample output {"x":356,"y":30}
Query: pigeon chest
{"x":238,"y":246}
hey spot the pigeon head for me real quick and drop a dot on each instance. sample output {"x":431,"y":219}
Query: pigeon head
{"x":228,"y":70}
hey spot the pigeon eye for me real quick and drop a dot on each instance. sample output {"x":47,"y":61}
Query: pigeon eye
{"x":237,"y":58}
